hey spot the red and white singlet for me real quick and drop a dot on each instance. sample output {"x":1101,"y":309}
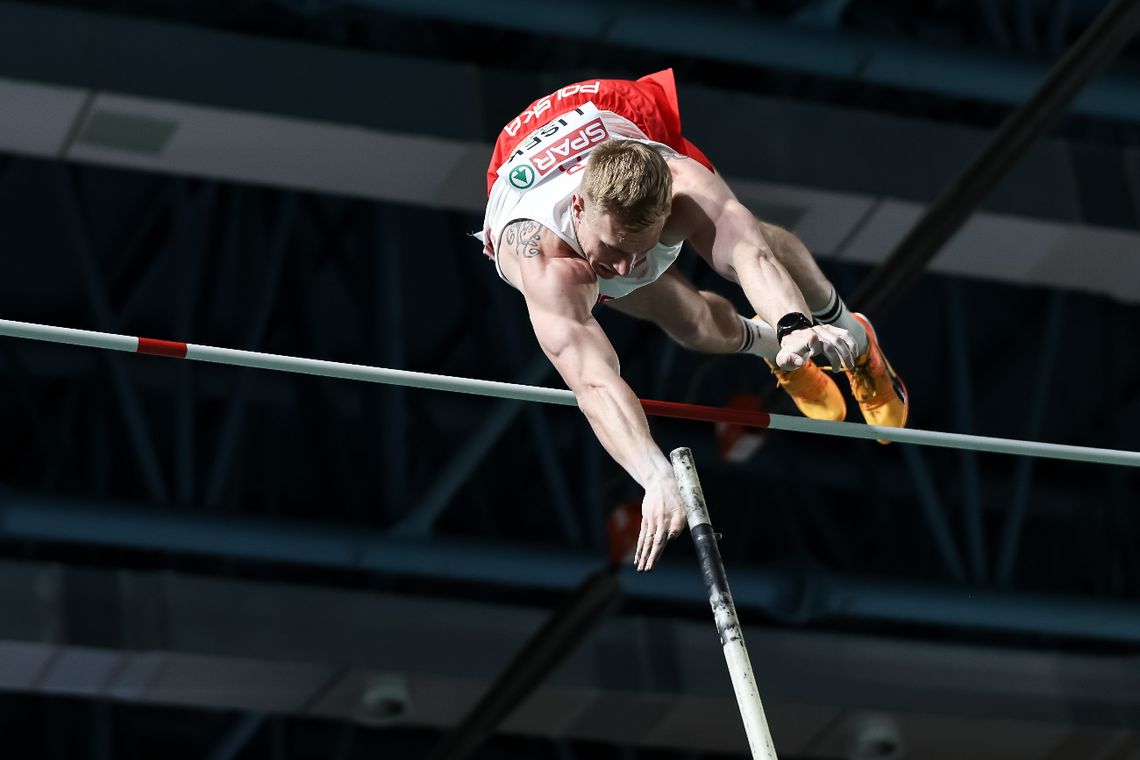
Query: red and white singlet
{"x":539,"y":154}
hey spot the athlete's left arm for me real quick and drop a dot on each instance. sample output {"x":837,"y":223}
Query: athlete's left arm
{"x":727,"y":235}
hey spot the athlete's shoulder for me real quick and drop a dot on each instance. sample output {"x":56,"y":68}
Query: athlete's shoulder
{"x":550,"y":271}
{"x":527,"y":239}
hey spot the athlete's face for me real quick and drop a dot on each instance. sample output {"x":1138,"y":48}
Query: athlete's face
{"x":609,"y":248}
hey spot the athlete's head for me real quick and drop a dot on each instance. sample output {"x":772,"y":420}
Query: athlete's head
{"x":621,"y":205}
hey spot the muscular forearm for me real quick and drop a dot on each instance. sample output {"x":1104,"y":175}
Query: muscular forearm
{"x":767,"y":285}
{"x":616,"y":416}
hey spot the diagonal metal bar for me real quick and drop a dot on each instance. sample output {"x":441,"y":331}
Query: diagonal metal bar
{"x":144,"y":220}
{"x":933,"y":511}
{"x":575,"y":617}
{"x":141,"y":440}
{"x":235,"y":410}
{"x":1023,"y":475}
{"x":237,"y":737}
{"x":420,"y":520}
{"x":1100,"y":43}
{"x":963,"y":409}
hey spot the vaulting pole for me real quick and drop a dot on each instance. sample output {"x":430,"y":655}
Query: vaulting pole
{"x":724,"y":611}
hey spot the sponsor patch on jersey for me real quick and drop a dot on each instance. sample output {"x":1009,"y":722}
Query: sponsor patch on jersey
{"x":572,"y":145}
{"x":522,"y":176}
{"x":558,"y":143}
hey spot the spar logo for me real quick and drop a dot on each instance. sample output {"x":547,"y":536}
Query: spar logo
{"x":573,"y":144}
{"x":522,"y":176}
{"x":543,"y":134}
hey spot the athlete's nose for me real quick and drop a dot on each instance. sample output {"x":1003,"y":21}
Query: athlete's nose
{"x":625,"y":266}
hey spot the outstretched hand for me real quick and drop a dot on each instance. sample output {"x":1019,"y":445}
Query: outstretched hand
{"x":662,"y":520}
{"x":834,"y":343}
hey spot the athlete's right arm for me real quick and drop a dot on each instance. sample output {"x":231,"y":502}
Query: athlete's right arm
{"x":560,"y":292}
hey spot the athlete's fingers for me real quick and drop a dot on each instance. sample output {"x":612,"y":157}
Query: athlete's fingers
{"x":789,"y":360}
{"x":842,"y":355}
{"x":647,"y":545}
{"x":641,"y":540}
{"x":659,"y":541}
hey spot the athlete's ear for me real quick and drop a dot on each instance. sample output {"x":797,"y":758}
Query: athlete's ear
{"x":578,"y":206}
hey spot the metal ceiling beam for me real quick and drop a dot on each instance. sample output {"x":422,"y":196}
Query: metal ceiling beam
{"x":278,"y":247}
{"x":792,"y":595}
{"x":30,"y":37}
{"x":576,"y":617}
{"x":740,"y":38}
{"x":138,"y":425}
{"x":237,"y":737}
{"x":964,"y":412}
{"x":1023,"y":475}
{"x":333,"y":653}
{"x":420,"y":519}
{"x":935,"y":513}
{"x":1096,"y":47}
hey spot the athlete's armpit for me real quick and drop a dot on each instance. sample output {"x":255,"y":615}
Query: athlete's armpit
{"x":522,"y":237}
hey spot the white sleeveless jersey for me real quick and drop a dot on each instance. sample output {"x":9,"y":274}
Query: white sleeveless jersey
{"x":539,"y":179}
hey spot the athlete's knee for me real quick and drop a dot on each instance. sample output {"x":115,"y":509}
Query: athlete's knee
{"x":784,"y":244}
{"x":710,"y":326}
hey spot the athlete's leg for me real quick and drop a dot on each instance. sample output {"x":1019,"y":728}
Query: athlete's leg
{"x":697,"y":319}
{"x":794,"y":255}
{"x":877,"y":388}
{"x":822,"y":299}
{"x":703,"y":321}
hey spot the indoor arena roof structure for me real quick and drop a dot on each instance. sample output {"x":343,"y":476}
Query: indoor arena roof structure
{"x":210,"y":561}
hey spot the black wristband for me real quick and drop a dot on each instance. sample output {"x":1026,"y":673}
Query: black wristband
{"x":789,"y":323}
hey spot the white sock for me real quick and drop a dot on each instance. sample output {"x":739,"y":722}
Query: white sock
{"x":759,"y":339}
{"x":836,"y":313}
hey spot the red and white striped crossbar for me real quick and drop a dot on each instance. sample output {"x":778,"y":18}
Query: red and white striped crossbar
{"x":562,"y":397}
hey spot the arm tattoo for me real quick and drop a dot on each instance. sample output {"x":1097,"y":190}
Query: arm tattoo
{"x":522,"y":236}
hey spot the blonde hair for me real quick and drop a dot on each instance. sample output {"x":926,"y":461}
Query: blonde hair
{"x":629,"y":180}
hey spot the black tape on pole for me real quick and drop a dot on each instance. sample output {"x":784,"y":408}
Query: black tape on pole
{"x":716,"y":581}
